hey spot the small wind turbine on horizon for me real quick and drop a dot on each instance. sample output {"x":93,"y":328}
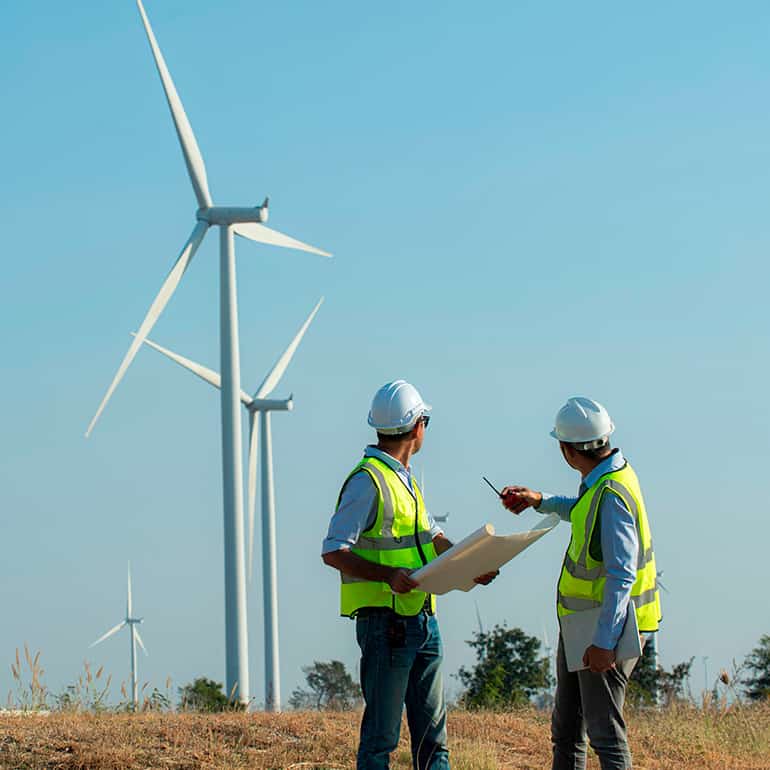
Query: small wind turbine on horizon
{"x":549,"y":653}
{"x":653,"y":639}
{"x":478,"y":618}
{"x":260,"y":404}
{"x":436,"y":517}
{"x":248,"y":222}
{"x":132,"y":624}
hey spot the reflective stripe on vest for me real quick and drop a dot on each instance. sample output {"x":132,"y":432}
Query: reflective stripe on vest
{"x":576,"y":605}
{"x":579,"y":569}
{"x":582,"y":581}
{"x":399,"y":537}
{"x":388,"y":506}
{"x":390,"y":543}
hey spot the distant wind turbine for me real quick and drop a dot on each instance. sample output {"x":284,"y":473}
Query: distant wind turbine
{"x":248,"y":223}
{"x":436,"y":517}
{"x":132,"y":624}
{"x":261,"y":405}
{"x":478,"y":618}
{"x":548,"y":649}
{"x":653,"y":639}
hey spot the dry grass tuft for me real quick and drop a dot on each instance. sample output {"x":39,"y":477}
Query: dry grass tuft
{"x":685,"y":738}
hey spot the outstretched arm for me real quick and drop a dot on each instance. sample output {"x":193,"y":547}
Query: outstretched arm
{"x":517,"y":499}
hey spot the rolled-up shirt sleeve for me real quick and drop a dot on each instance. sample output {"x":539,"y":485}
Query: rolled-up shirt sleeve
{"x":620,"y":549}
{"x":355,"y":513}
{"x":435,"y":530}
{"x":556,"y":504}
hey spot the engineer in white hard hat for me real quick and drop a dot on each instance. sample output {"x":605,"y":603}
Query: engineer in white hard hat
{"x":610,"y":565}
{"x":379,"y":534}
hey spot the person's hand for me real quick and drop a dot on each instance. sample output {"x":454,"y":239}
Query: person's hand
{"x":401,"y":582}
{"x":516,"y":499}
{"x":486,"y":578}
{"x":598,"y":659}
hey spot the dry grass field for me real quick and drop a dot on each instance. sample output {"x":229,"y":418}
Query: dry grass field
{"x":685,"y":738}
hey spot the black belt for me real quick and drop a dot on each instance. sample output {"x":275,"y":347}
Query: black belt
{"x":366,"y":611}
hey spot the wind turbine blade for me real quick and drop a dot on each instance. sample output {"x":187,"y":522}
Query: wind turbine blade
{"x":206,"y":374}
{"x":139,"y":639}
{"x":275,"y":374}
{"x":128,"y":604}
{"x":252,"y":483}
{"x":159,"y":303}
{"x":109,"y":633}
{"x":262,"y":234}
{"x":192,"y":153}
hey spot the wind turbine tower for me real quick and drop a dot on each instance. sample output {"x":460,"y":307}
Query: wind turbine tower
{"x":132,"y":624}
{"x":259,"y":408}
{"x":654,"y":641}
{"x":548,"y":649}
{"x":248,"y":222}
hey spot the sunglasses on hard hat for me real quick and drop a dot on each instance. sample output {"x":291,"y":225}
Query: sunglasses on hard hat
{"x":425,"y":419}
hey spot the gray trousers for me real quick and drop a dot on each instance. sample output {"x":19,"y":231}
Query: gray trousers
{"x":591,"y":704}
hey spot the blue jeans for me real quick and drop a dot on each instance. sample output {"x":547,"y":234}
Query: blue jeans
{"x":401,"y":665}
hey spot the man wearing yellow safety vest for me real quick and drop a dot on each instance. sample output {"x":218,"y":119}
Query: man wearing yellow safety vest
{"x":609,"y":564}
{"x":379,"y":534}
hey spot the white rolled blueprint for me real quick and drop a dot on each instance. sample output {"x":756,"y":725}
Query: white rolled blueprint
{"x":481,"y":552}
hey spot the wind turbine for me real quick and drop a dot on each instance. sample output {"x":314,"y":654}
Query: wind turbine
{"x":653,"y":638}
{"x":478,"y":618}
{"x":132,"y":624}
{"x":248,"y":223}
{"x":548,"y":649}
{"x":440,"y":519}
{"x":260,"y":405}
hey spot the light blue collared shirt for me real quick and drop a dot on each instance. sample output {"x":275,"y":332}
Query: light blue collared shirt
{"x":357,"y":508}
{"x":620,"y":548}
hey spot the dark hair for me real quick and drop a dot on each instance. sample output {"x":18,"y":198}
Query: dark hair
{"x":396,"y":438}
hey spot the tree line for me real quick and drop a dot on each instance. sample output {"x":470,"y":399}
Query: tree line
{"x":510,"y":670}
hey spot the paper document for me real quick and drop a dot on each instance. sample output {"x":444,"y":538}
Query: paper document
{"x":479,"y":553}
{"x":577,"y":633}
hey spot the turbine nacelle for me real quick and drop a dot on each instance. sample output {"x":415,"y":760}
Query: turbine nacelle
{"x":232,"y":215}
{"x":271,"y":404}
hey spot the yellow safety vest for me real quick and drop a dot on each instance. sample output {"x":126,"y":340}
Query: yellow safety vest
{"x":581,"y":585}
{"x":399,"y":537}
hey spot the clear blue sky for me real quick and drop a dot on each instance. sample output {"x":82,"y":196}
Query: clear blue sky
{"x":525,"y":202}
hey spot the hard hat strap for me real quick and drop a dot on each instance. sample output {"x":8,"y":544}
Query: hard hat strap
{"x":595,"y":444}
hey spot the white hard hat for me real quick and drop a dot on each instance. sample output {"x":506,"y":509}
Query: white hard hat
{"x":583,"y":422}
{"x":396,"y":407}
